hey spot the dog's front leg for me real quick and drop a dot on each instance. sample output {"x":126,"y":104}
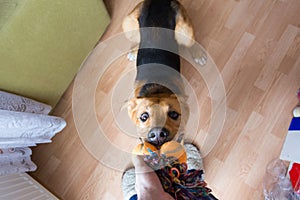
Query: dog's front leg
{"x":184,"y":34}
{"x":130,"y":27}
{"x":198,"y":54}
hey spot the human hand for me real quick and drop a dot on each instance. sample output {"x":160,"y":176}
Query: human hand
{"x":148,"y":185}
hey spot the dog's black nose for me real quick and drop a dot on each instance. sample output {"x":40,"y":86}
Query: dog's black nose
{"x":158,"y":136}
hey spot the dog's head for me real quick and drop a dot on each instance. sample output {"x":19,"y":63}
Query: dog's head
{"x":159,"y":119}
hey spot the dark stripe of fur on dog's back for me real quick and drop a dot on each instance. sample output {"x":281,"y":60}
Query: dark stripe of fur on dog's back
{"x":157,"y":45}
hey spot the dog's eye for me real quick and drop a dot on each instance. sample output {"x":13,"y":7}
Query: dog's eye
{"x":173,"y":115}
{"x":144,"y":117}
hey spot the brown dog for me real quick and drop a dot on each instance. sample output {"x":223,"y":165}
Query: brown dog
{"x":159,"y":107}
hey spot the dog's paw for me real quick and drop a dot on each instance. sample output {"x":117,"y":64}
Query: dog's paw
{"x":132,"y":56}
{"x":198,"y":54}
{"x":202,"y":60}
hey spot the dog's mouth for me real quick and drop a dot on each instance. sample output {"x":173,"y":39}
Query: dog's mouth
{"x":157,"y":144}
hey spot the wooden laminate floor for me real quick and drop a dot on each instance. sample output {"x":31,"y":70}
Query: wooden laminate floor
{"x":255,"y":45}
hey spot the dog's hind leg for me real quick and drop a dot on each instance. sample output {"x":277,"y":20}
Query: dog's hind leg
{"x":184,"y":35}
{"x":130,"y":27}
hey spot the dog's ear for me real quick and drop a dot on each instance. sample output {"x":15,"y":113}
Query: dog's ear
{"x":180,"y":97}
{"x":132,"y":108}
{"x":185,"y":110}
{"x":184,"y":107}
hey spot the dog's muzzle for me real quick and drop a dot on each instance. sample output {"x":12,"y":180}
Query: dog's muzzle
{"x":158,"y":136}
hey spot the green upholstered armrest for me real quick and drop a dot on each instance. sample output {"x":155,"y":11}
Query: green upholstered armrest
{"x":43,"y":43}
